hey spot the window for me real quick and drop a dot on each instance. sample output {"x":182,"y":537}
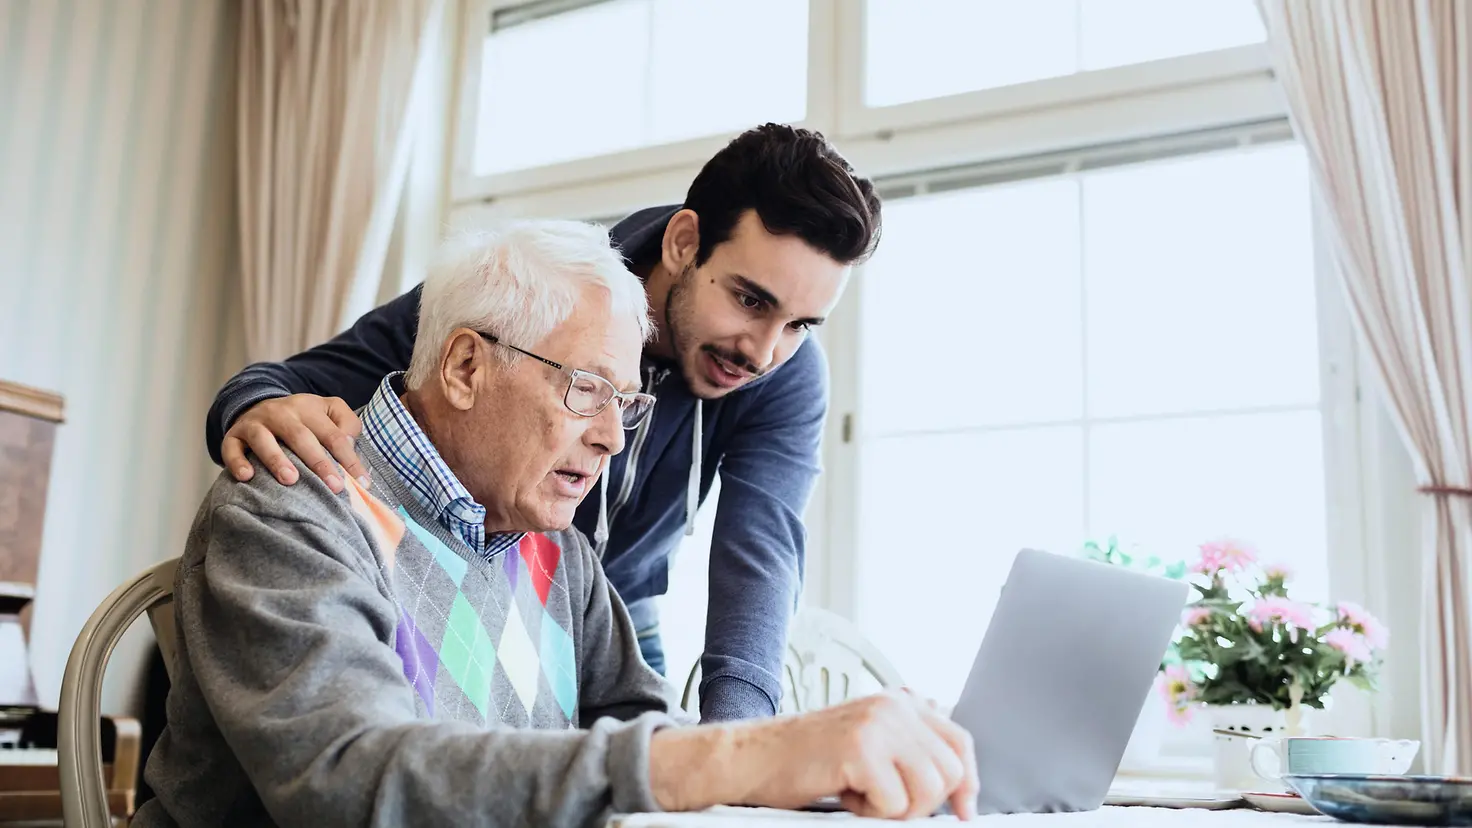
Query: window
{"x":1130,"y":351}
{"x":621,"y":74}
{"x":918,"y":49}
{"x":1141,"y":344}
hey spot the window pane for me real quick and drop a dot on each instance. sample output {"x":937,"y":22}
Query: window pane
{"x":538,"y":106}
{"x":917,"y":49}
{"x":1121,"y":32}
{"x":726,"y":65}
{"x":940,"y":519}
{"x":646,"y":72}
{"x":1200,"y":280}
{"x":683,"y":606}
{"x":971,"y":311}
{"x":1170,"y":485}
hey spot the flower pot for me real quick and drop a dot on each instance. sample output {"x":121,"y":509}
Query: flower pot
{"x":1233,"y":771}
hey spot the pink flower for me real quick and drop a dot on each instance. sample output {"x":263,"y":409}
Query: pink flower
{"x":1354,"y":646}
{"x":1178,"y":692}
{"x":1227,"y":554}
{"x":1179,"y":714}
{"x":1277,"y":572}
{"x":1361,"y":621}
{"x":1275,"y":608}
{"x":1194,"y":616}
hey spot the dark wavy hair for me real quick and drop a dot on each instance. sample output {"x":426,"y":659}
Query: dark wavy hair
{"x":798,"y":185}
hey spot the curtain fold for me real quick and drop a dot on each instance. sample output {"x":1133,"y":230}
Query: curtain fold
{"x":325,"y":93}
{"x":1380,"y":93}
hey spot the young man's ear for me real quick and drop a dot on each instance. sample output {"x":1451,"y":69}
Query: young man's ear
{"x":681,"y":241}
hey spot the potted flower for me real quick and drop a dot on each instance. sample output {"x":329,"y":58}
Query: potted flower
{"x":1254,"y":657}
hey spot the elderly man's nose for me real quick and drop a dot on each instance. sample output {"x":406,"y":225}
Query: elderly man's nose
{"x":606,"y":433}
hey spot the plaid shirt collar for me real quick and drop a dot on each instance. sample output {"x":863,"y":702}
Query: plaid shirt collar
{"x":393,"y":431}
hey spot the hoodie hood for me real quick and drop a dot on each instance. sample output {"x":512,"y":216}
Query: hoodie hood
{"x":638,"y":238}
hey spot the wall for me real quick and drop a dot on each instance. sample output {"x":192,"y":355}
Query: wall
{"x":116,"y":264}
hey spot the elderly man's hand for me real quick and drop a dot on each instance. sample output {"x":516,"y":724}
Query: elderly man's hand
{"x":310,"y":425}
{"x":891,"y":755}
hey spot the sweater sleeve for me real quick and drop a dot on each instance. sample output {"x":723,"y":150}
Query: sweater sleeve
{"x":757,"y":547}
{"x":350,"y":366}
{"x":288,"y":638}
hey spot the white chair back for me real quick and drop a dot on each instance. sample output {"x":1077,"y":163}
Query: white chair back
{"x":828,"y":661}
{"x":79,"y":749}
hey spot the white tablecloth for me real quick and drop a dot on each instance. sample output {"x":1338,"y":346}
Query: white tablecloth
{"x":1107,"y":817}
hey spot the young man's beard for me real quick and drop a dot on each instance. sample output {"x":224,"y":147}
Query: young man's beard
{"x":674,"y":320}
{"x":676,"y":314}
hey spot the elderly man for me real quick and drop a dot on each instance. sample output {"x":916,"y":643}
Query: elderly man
{"x":439,"y":648}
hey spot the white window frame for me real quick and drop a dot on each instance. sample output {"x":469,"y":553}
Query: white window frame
{"x":1016,"y":131}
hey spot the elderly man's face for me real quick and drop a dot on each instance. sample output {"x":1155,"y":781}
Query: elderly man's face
{"x":531,"y":459}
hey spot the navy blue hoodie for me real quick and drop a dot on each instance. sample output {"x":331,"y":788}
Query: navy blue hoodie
{"x":763,"y":438}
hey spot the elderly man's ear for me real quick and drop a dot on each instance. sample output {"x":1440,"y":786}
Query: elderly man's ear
{"x":462,"y":368}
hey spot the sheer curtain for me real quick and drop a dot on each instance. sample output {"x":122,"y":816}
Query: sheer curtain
{"x":326,"y":93}
{"x":1380,"y":93}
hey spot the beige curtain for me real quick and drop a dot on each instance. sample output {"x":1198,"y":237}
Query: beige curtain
{"x":325,"y":91}
{"x":1380,"y":93}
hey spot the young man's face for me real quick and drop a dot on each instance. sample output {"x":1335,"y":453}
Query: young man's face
{"x":748,"y":308}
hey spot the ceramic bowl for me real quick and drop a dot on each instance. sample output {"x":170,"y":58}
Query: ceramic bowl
{"x":1388,"y":800}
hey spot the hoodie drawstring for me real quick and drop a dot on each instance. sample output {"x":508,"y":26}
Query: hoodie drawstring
{"x":600,"y":535}
{"x":692,"y":491}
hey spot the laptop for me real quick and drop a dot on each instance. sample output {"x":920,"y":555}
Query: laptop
{"x":1061,"y":676}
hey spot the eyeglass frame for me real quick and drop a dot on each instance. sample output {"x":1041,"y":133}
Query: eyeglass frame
{"x":624,"y":397}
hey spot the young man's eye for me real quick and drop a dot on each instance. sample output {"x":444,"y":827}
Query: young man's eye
{"x":802,"y":327}
{"x":748,"y":301}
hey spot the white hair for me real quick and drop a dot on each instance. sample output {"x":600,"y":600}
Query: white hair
{"x":519,"y":280}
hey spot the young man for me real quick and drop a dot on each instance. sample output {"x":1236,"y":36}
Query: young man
{"x":737,"y":276}
{"x":436,"y":648}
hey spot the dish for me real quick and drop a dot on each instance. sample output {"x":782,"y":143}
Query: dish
{"x":1388,"y":800}
{"x":1280,"y":803}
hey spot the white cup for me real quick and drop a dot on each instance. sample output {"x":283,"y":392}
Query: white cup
{"x":1276,"y":757}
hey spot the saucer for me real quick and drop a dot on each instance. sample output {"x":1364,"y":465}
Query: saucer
{"x":1389,"y":800}
{"x":1280,"y":803}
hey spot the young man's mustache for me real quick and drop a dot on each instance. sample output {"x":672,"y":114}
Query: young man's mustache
{"x":734,"y":360}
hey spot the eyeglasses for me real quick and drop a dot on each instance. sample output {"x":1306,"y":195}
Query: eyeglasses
{"x":588,"y":394}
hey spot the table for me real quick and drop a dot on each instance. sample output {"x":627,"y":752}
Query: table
{"x":1106,"y":817}
{"x":30,"y":781}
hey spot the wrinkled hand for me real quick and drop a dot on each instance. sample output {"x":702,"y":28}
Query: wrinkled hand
{"x":893,"y":756}
{"x":309,"y":425}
